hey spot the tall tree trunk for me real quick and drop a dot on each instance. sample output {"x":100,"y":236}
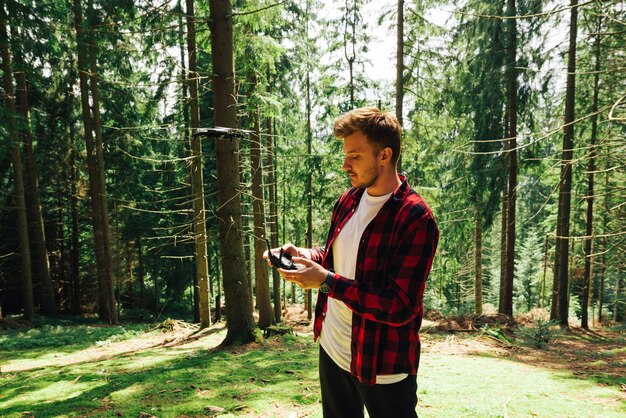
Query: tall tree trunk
{"x":31,"y":187}
{"x":100,"y":170}
{"x":142,"y":280}
{"x":309,"y":186}
{"x":263,"y":299}
{"x":94,"y":189}
{"x":503,"y":225}
{"x":131,"y":276}
{"x":618,"y":295}
{"x":478,"y":267}
{"x":350,"y":55}
{"x":187,"y":146}
{"x":218,"y":294}
{"x":507,"y":306}
{"x":20,"y":201}
{"x":200,"y":231}
{"x":590,"y":184}
{"x":75,"y":251}
{"x":400,"y":69}
{"x":240,"y":324}
{"x":565,"y":189}
{"x":542,"y":294}
{"x":273,"y":216}
{"x":604,"y":239}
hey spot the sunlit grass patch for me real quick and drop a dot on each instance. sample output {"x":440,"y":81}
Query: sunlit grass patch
{"x":485,"y":387}
{"x":278,"y":378}
{"x":37,"y":342}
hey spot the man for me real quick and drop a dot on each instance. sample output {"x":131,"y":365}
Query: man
{"x":371,"y":275}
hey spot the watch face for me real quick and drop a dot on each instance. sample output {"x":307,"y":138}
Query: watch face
{"x":324,"y":288}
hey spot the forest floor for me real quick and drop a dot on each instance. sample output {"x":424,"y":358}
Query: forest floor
{"x":470,"y":367}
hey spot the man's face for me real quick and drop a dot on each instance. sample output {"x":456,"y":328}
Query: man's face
{"x":361,"y":160}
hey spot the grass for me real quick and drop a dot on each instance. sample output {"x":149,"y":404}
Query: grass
{"x":454,"y":386}
{"x":277,"y":379}
{"x":61,"y":336}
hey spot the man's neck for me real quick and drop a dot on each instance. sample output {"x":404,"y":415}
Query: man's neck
{"x":387,"y":183}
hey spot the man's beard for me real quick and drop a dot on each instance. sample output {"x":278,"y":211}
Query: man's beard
{"x":372,"y":176}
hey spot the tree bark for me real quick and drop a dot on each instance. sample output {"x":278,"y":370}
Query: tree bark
{"x":94,"y":185}
{"x":565,"y":189}
{"x":141,"y":277}
{"x":542,"y":294}
{"x":400,"y":69}
{"x":603,"y":267}
{"x":187,"y":146}
{"x":618,"y":292}
{"x":309,"y":186}
{"x":20,"y":201}
{"x":263,"y":299}
{"x":273,"y":216}
{"x":478,"y":268}
{"x":200,"y":231}
{"x":507,"y":306}
{"x":350,"y":56}
{"x":503,"y":225}
{"x":31,"y":187}
{"x":101,"y":175}
{"x":75,"y":251}
{"x":587,"y":280}
{"x":240,"y":324}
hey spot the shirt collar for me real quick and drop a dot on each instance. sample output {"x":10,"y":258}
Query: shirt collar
{"x":398,"y":194}
{"x":402,"y":190}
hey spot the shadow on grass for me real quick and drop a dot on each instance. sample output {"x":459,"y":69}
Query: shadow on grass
{"x":585,"y":354}
{"x":64,"y":335}
{"x":170,"y":382}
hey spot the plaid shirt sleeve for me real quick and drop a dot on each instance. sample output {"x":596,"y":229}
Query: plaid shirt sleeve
{"x":396,"y":298}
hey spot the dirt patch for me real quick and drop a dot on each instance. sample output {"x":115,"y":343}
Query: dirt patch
{"x":595,"y":354}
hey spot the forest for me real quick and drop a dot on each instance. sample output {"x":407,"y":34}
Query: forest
{"x":149,"y":148}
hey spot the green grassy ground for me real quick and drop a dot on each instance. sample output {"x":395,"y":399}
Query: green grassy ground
{"x":275,"y":379}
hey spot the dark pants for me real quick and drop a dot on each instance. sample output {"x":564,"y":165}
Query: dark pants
{"x":343,"y":396}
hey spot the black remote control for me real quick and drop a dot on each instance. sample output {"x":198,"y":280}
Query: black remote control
{"x":283,"y":260}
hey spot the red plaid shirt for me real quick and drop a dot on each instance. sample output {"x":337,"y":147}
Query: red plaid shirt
{"x":395,"y":256}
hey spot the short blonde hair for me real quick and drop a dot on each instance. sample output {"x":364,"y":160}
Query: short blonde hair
{"x":380,"y":128}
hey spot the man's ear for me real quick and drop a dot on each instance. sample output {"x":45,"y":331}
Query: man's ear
{"x":386,"y":154}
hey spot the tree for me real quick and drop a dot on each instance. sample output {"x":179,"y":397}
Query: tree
{"x":589,"y":230}
{"x":106,"y":306}
{"x":273,"y":214}
{"x":400,"y":69}
{"x":240,"y":324}
{"x":565,"y":189}
{"x":100,"y":166}
{"x":266,"y":317}
{"x":20,"y":202}
{"x":197,"y":181}
{"x":511,"y":75}
{"x":31,"y":186}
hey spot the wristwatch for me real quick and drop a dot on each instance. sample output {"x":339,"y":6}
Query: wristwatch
{"x":325,"y":287}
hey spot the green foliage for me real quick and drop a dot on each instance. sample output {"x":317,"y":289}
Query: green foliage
{"x":495,"y":332}
{"x":62,"y":335}
{"x":452,"y":151}
{"x":540,"y":334}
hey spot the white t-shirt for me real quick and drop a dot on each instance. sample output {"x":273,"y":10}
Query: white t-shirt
{"x":336,"y":333}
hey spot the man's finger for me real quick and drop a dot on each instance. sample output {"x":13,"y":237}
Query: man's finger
{"x":300,"y":260}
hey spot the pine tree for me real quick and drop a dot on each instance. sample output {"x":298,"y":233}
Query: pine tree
{"x":565,"y":189}
{"x":18,"y":176}
{"x":240,"y":325}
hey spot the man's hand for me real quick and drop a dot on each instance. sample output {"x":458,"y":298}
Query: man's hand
{"x":289,"y":249}
{"x":311,"y":276}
